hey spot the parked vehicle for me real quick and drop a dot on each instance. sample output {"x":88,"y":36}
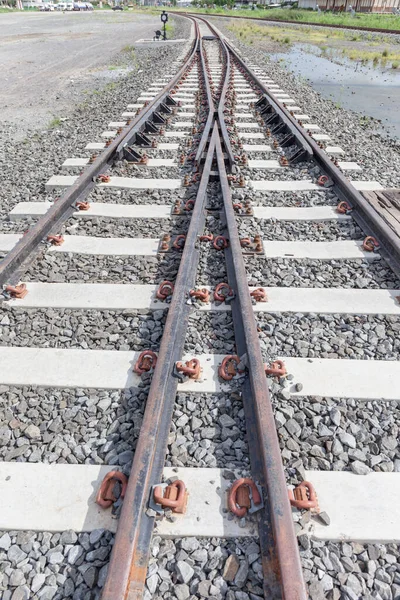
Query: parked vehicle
{"x":70,"y":6}
{"x":118,"y":7}
{"x":61,"y":6}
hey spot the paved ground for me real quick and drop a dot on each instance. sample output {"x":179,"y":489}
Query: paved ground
{"x":48,"y":61}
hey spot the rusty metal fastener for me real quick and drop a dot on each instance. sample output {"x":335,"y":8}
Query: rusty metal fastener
{"x":203,"y":295}
{"x":189,"y":205}
{"x":165,"y":241}
{"x":179,"y":242}
{"x":82,"y":205}
{"x":277,"y":368}
{"x":259,"y":295}
{"x":165,"y":289}
{"x":283,"y":161}
{"x":223,"y":291}
{"x":191,"y":368}
{"x":304,"y":496}
{"x":55,"y":240}
{"x":146,"y":361}
{"x":105,"y":496}
{"x":104,"y":178}
{"x":322,"y":180}
{"x":206,"y":238}
{"x":175,"y":496}
{"x":220,"y":242}
{"x":370,"y":244}
{"x":229,"y":367}
{"x":18,"y":291}
{"x":239,"y":500}
{"x":343,"y":208}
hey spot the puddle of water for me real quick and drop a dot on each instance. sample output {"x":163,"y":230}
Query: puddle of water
{"x":360,"y":88}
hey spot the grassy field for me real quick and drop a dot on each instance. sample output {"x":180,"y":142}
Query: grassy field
{"x":332,"y":44}
{"x":299,"y":16}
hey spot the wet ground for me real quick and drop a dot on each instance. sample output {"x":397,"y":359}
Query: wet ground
{"x":362,"y":88}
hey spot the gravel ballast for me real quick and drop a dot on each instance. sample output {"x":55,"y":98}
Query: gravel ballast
{"x":71,"y":426}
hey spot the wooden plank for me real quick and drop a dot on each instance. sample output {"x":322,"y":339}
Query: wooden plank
{"x":387,"y":204}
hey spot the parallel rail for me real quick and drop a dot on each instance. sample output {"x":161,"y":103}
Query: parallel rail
{"x":282,"y":571}
{"x":280,"y":555}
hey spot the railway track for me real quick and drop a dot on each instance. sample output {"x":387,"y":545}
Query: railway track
{"x":147,"y":284}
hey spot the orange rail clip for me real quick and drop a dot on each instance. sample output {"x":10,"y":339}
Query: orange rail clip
{"x":238,"y":501}
{"x":304,"y":496}
{"x":146,"y":361}
{"x":105,"y":496}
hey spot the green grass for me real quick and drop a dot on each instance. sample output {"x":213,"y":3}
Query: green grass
{"x":54,"y":122}
{"x":330,"y":43}
{"x":297,"y":16}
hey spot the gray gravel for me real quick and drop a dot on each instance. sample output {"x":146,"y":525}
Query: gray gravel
{"x":87,"y":329}
{"x":351,"y":571}
{"x":134,"y":228}
{"x":53,"y":566}
{"x":77,"y":268}
{"x":73,"y":426}
{"x":148,"y":196}
{"x":321,"y":197}
{"x":366,"y":337}
{"x":335,"y":434}
{"x":318,"y":231}
{"x":357,"y":274}
{"x":208,"y":431}
{"x":206,"y":568}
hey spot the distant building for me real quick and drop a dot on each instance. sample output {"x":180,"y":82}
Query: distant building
{"x":376,"y":6}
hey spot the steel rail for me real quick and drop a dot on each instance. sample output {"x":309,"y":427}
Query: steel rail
{"x":281,"y":562}
{"x":129,"y":557}
{"x":211,"y":114}
{"x":283,"y":576}
{"x":370,"y":221}
{"x":266,"y":20}
{"x":61,"y":210}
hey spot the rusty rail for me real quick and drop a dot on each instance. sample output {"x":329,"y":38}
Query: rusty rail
{"x":128,"y":563}
{"x":370,"y":221}
{"x":280,"y":555}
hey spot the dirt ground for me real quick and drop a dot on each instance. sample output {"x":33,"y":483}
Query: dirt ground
{"x":49,"y":60}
